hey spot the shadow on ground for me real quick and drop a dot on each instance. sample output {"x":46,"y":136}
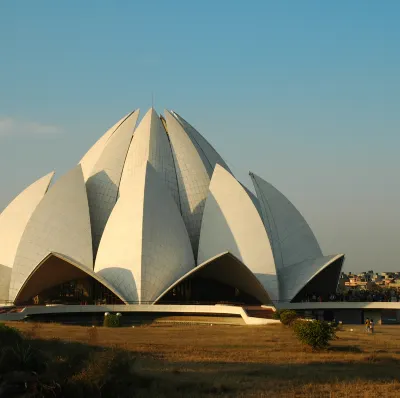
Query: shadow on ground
{"x":81,"y":370}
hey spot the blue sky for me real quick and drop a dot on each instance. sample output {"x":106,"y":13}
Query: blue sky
{"x":305,"y":94}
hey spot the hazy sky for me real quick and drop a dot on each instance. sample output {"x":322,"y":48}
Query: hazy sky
{"x":305,"y":94}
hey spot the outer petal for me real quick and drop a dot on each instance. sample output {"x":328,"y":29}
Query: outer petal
{"x":145,"y":246}
{"x":103,"y":182}
{"x":60,"y":223}
{"x":232,"y":223}
{"x":227,"y":269}
{"x":53,"y":270}
{"x":5,"y":277}
{"x":292,"y":239}
{"x":296,"y":277}
{"x":13,"y":221}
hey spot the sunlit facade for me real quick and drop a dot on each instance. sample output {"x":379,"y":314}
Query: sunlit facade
{"x":153,"y":214}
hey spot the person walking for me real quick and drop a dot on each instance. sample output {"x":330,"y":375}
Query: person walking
{"x":367,"y":325}
{"x":371,"y":325}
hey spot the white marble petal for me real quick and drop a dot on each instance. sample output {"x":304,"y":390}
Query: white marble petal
{"x":204,"y":147}
{"x":232,"y":223}
{"x":54,"y":270}
{"x":93,"y":154}
{"x":104,"y":179}
{"x":5,"y":277}
{"x":193,"y":174}
{"x":150,"y":143}
{"x":145,"y":246}
{"x":13,"y":221}
{"x":293,"y":278}
{"x":292,"y":239}
{"x":16,"y":215}
{"x":60,"y":223}
{"x":229,"y":270}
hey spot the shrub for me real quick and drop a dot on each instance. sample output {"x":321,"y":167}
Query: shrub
{"x":112,"y":321}
{"x":316,"y":334}
{"x":287,"y":317}
{"x":9,"y":336}
{"x":277,"y":315}
{"x":335,"y":324}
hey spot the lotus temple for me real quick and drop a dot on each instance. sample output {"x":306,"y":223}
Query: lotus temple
{"x":152,"y":215}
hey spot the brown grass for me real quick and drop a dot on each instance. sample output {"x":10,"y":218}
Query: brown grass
{"x":245,"y":361}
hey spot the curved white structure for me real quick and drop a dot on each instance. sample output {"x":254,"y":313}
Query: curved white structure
{"x":60,"y":223}
{"x":193,"y":173}
{"x":13,"y":222}
{"x":142,"y":259}
{"x":153,"y":214}
{"x":43,"y":277}
{"x":232,"y":223}
{"x":210,"y":156}
{"x":297,"y":276}
{"x":291,"y":237}
{"x":227,"y":269}
{"x":150,"y":144}
{"x":103,"y":180}
{"x":93,"y":154}
{"x":5,"y":278}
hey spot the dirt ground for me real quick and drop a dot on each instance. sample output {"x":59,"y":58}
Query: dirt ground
{"x":248,"y":361}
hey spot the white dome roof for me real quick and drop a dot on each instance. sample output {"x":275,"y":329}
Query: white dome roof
{"x":149,"y":207}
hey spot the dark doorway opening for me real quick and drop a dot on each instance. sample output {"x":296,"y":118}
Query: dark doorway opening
{"x":206,"y":291}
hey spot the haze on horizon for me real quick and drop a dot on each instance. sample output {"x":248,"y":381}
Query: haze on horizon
{"x":304,"y":94}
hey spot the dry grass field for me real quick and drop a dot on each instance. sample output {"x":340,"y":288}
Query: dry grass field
{"x":242,"y":361}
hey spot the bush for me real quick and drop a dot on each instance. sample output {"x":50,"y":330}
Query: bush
{"x":112,"y":321}
{"x":9,"y":336}
{"x":287,"y":317}
{"x":277,"y":315}
{"x":335,"y":325}
{"x":316,"y":334}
